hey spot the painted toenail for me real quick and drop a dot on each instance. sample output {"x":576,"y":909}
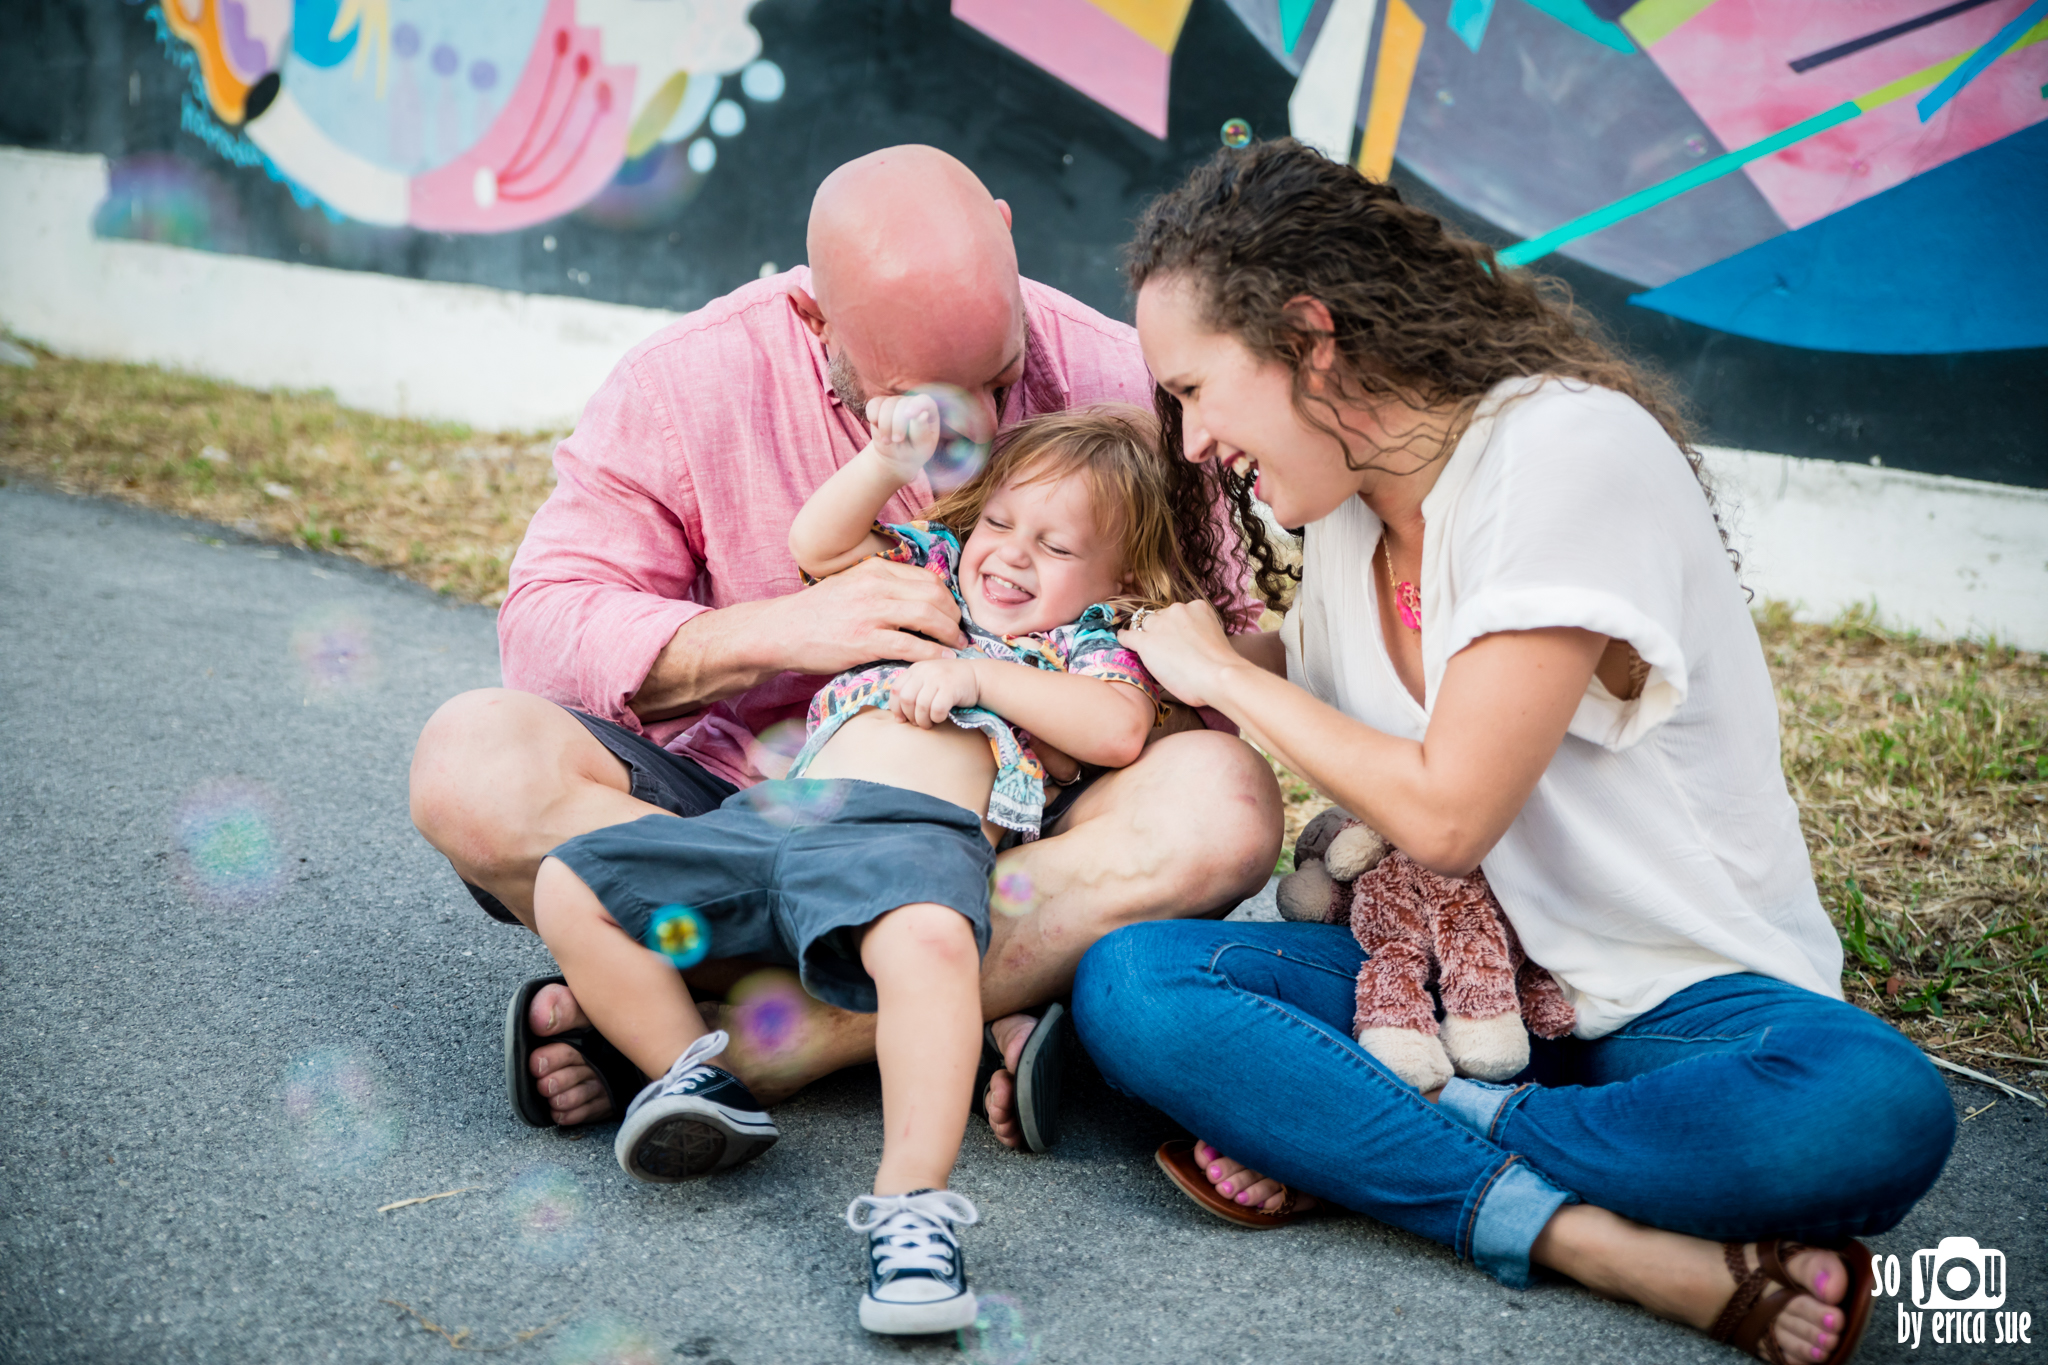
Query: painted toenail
{"x":1818,"y":1353}
{"x":1829,"y":1321}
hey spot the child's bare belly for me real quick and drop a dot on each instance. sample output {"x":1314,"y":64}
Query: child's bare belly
{"x":945,"y":761}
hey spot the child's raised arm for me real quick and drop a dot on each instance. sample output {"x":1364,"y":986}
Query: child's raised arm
{"x":834,"y":529}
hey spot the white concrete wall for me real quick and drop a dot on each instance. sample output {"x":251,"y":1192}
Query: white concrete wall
{"x":490,"y":357}
{"x":1945,"y":556}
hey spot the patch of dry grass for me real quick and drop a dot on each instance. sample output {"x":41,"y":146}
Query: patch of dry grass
{"x":1920,"y":767}
{"x":433,"y":501}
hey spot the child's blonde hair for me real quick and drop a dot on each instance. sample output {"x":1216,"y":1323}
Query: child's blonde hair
{"x":1115,"y":446}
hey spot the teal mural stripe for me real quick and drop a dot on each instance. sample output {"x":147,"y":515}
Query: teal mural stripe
{"x":1628,"y":206}
{"x":2002,"y":43}
{"x":1293,"y":18}
{"x":1468,"y":20}
{"x":1577,"y":14}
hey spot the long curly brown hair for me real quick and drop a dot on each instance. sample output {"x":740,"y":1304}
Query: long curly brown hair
{"x":1157,"y":512}
{"x":1420,"y":314}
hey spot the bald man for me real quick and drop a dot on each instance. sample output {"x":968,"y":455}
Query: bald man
{"x":656,"y":626}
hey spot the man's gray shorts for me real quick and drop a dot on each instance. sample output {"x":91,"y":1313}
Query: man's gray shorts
{"x":793,"y":872}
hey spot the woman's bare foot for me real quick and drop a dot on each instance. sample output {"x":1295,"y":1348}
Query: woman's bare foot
{"x":1245,"y":1186}
{"x":1687,"y":1279}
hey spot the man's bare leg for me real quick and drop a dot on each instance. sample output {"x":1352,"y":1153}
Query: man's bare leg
{"x":1193,"y":827}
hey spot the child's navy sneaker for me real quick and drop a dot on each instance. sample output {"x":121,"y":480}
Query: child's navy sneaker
{"x":917,"y":1282}
{"x":695,"y":1120}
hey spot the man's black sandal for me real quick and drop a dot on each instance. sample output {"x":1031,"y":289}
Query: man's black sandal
{"x":621,"y":1079}
{"x":1041,"y":1069}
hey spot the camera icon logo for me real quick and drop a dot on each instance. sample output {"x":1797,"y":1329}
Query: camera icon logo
{"x":1958,"y":1273}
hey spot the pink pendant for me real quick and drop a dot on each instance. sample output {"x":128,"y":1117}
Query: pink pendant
{"x":1408,"y":598}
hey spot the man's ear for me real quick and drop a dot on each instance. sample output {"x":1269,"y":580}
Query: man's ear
{"x":1312,"y":315}
{"x":814,"y":317}
{"x":1003,"y":207}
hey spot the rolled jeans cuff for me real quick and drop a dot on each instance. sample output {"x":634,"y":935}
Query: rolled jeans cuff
{"x":1477,"y":1105}
{"x":1517,"y":1205}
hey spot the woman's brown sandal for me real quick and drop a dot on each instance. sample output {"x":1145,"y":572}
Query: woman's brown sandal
{"x":1177,"y":1159}
{"x":1746,"y":1322}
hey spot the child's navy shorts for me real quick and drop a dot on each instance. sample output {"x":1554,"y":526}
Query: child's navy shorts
{"x":792,"y":872}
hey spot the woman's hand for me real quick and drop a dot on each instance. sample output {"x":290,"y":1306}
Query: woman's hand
{"x":1184,"y":648}
{"x":926,"y":693}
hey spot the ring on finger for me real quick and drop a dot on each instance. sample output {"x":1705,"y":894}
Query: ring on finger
{"x":1140,"y":617}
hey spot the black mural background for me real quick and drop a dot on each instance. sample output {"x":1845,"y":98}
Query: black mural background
{"x":91,"y":76}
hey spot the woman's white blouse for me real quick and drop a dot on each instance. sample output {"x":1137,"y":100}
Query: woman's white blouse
{"x":1660,"y":847}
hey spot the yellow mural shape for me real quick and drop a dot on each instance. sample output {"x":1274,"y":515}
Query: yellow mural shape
{"x":654,"y":116}
{"x":1400,"y":49}
{"x":1158,"y":22}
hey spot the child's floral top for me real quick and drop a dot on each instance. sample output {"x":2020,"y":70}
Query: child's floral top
{"x":1088,"y":647}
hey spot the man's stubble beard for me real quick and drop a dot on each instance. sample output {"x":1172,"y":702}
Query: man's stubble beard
{"x":845,"y":381}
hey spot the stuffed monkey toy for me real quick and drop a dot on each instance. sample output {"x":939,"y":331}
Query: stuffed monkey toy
{"x":1420,"y":929}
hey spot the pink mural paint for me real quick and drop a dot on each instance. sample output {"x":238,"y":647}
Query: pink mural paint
{"x":559,"y":139}
{"x":1732,"y":64}
{"x":1084,"y":47}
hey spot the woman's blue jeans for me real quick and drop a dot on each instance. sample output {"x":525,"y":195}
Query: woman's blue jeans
{"x":1740,"y":1108}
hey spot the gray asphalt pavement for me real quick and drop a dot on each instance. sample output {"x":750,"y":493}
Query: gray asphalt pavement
{"x":247,"y":1007}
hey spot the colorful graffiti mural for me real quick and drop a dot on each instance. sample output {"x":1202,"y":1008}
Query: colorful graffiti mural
{"x":1828,"y":222}
{"x":454,"y":116}
{"x":1572,"y":123}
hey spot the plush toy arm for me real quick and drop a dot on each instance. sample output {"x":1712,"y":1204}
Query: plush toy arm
{"x":1544,"y":1008}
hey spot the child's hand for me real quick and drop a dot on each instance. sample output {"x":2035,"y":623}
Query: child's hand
{"x":926,"y":693}
{"x":906,"y":432}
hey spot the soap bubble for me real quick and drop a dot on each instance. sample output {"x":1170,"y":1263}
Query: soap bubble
{"x":767,"y":1011}
{"x":679,"y":933}
{"x":608,"y":1342}
{"x":334,"y":651}
{"x":998,"y":1336}
{"x":772,"y":751}
{"x":230,"y":853}
{"x":763,"y":80}
{"x":964,"y":436}
{"x":549,"y":1215}
{"x":1011,"y":891}
{"x":797,"y":801}
{"x":337,"y":1111}
{"x":1236,"y":133}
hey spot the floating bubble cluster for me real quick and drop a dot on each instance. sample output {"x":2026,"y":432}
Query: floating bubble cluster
{"x":799,"y":801}
{"x":338,"y":1115}
{"x":548,"y":1215}
{"x":334,"y":651}
{"x":1011,"y":891}
{"x":609,"y":1342}
{"x":230,"y":852}
{"x":998,"y":1336}
{"x":1236,"y":133}
{"x":964,"y":436}
{"x":772,"y":751}
{"x":680,"y":934}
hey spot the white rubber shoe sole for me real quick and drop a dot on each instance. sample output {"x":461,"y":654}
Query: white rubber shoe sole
{"x":918,"y":1319}
{"x":682,"y":1138}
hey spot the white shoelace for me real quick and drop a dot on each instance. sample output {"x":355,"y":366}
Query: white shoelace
{"x":912,"y":1228}
{"x":696,"y":1055}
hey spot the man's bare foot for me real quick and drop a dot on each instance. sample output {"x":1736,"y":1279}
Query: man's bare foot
{"x":1239,"y":1183}
{"x":1687,"y":1279}
{"x":1012,"y":1032}
{"x":573,"y":1091}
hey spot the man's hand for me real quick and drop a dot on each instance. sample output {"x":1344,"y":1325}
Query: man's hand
{"x":867,"y":612}
{"x":905,"y":432}
{"x":926,"y":693}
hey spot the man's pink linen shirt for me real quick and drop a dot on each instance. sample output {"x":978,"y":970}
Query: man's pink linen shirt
{"x":676,"y":492}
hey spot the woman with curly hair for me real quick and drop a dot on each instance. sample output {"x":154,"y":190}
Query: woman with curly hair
{"x":1517,"y":644}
